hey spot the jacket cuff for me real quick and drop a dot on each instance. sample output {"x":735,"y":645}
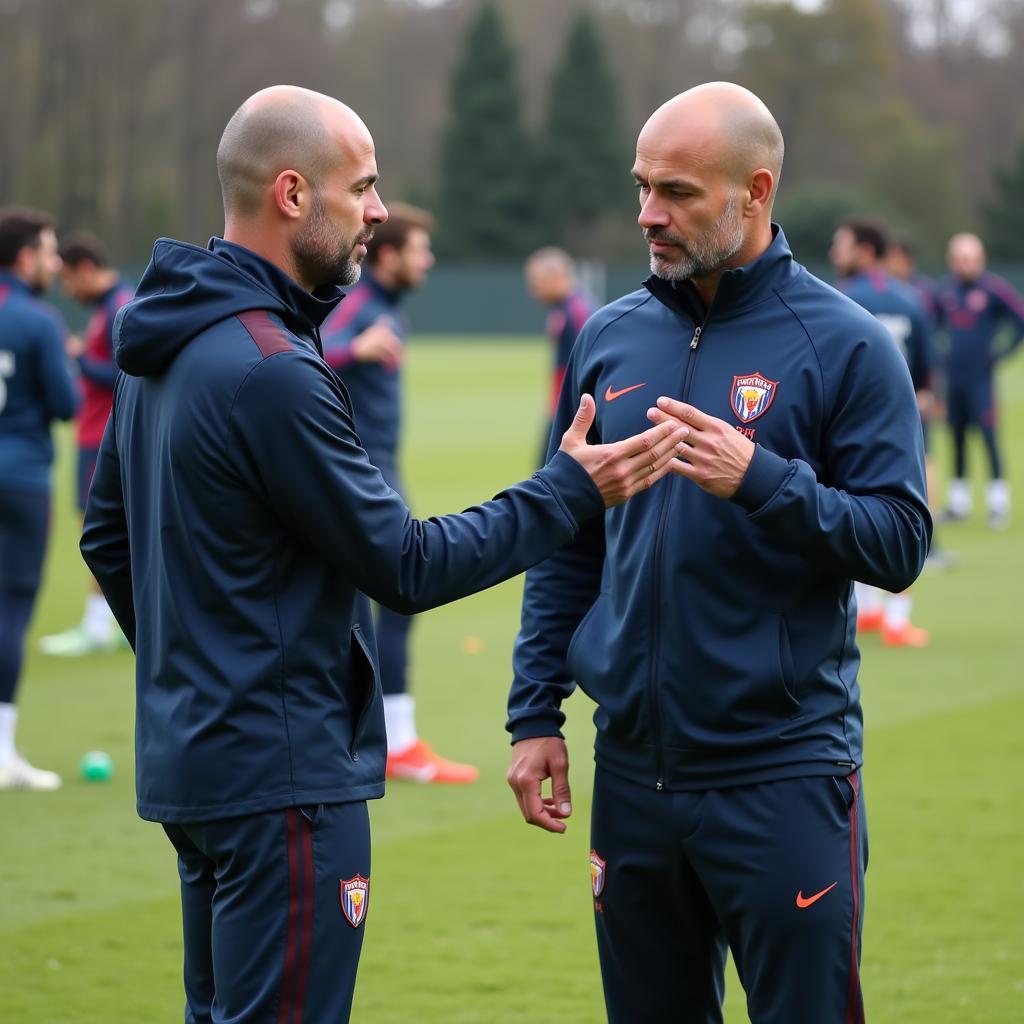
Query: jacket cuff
{"x":534,"y":728}
{"x":766,"y":473}
{"x":573,"y":487}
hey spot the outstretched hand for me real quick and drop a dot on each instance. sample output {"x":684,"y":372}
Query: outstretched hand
{"x":622,"y":468}
{"x":534,"y":761}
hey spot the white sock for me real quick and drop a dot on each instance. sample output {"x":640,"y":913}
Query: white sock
{"x":997,"y":496}
{"x":98,"y":620}
{"x":400,"y":721}
{"x":8,"y":720}
{"x":897,"y":611}
{"x":960,"y":497}
{"x":869,"y":599}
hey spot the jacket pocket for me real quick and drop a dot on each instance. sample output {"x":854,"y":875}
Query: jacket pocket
{"x":365,"y":686}
{"x":582,"y":628}
{"x":786,"y":671}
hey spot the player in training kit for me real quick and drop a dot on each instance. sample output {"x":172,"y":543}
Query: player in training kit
{"x":36,"y":388}
{"x":728,"y":812}
{"x":238,"y":528}
{"x":364,"y":342}
{"x":859,"y":248}
{"x":975,"y":307}
{"x":87,"y":277}
{"x":551,"y":279}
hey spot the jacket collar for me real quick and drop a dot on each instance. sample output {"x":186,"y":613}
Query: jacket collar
{"x":305,"y":311}
{"x":740,"y":288}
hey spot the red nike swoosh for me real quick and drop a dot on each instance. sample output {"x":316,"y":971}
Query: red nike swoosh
{"x":802,"y":901}
{"x":610,"y":395}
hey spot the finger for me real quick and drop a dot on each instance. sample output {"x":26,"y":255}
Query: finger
{"x":685,"y":413}
{"x":643,"y":444}
{"x":582,"y":421}
{"x":643,"y":466}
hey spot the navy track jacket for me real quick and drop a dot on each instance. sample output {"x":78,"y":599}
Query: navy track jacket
{"x":36,"y":386}
{"x":717,"y":637}
{"x":235,"y":525}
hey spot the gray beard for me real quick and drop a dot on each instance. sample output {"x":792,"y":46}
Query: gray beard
{"x":704,"y":255}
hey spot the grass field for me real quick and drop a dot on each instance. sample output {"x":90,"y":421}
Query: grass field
{"x":475,"y":917}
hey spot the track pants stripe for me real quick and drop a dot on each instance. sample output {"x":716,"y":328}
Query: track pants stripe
{"x":855,"y":1000}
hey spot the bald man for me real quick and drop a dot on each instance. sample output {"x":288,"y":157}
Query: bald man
{"x":238,"y":530}
{"x":976,"y":309}
{"x":727,"y":809}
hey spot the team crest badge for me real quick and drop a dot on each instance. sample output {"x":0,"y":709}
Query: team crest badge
{"x":354,"y":894}
{"x":597,"y":873}
{"x":752,"y":395}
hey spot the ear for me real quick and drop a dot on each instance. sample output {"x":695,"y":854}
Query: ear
{"x":291,"y":194}
{"x":759,"y":191}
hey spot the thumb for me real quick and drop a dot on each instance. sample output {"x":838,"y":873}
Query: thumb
{"x":561,"y":792}
{"x":582,"y":421}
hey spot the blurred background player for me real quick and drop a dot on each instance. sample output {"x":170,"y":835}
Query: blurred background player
{"x":363,"y":341}
{"x":858,"y":254}
{"x":87,"y":277}
{"x":36,"y":388}
{"x":551,"y":279}
{"x":975,"y":308}
{"x":901,"y":262}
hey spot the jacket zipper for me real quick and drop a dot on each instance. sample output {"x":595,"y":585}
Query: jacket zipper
{"x":659,"y":544}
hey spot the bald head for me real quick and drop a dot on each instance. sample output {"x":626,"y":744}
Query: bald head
{"x":726,"y":124}
{"x":283,"y":127}
{"x":966,"y":256}
{"x":550,"y":274}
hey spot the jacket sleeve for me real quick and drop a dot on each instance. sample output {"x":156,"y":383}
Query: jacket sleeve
{"x":1012,"y":304}
{"x":104,"y":543}
{"x":295,"y":443}
{"x":923,"y":359}
{"x":867,"y":519}
{"x":557,"y":595}
{"x":337,"y":333}
{"x":99,"y":371}
{"x":59,"y":385}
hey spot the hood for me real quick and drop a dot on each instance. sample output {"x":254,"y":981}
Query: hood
{"x":186,"y":289}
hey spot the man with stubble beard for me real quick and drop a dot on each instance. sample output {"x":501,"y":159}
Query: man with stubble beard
{"x":728,"y":812}
{"x":238,"y":529}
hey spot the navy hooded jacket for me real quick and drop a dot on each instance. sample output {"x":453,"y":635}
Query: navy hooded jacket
{"x":717,"y":637}
{"x":235,"y":525}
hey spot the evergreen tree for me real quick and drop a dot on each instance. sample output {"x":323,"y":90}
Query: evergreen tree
{"x":584,"y":158}
{"x":1004,"y":212}
{"x":483,"y":195}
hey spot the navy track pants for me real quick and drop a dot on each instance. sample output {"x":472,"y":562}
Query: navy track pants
{"x":273,"y":907}
{"x":773,"y":872}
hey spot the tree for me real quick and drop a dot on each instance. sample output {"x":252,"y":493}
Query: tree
{"x":483,"y":193}
{"x":583,"y":157}
{"x":1003,"y":214}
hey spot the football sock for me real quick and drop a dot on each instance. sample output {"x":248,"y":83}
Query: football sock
{"x":869,"y":599}
{"x":897,"y":611}
{"x":98,"y":620}
{"x":400,"y":721}
{"x":8,"y":720}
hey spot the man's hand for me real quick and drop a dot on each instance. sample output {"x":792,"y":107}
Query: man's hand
{"x":378,"y":344}
{"x":715,"y":455}
{"x":621,"y":469}
{"x":73,"y":346}
{"x":533,"y":761}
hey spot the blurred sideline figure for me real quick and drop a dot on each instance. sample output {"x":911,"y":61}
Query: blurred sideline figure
{"x":364,"y":340}
{"x":975,"y":307}
{"x":36,"y":388}
{"x":858,"y":252}
{"x":550,"y":275}
{"x":87,"y":277}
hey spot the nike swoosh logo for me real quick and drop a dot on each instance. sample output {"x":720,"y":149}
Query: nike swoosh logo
{"x":805,"y":901}
{"x":610,"y":395}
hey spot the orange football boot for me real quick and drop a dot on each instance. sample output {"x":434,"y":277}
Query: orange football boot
{"x":419,"y":763}
{"x":905,"y":636}
{"x":870,"y":622}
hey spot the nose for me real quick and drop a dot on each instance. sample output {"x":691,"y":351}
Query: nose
{"x":652,"y":214}
{"x":375,"y":212}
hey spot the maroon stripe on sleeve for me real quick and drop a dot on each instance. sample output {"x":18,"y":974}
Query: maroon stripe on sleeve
{"x":284,"y":1007}
{"x":269,"y":337}
{"x":306,"y":928}
{"x":855,"y":999}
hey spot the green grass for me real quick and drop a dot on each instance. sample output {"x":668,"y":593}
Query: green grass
{"x":476,"y":917}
